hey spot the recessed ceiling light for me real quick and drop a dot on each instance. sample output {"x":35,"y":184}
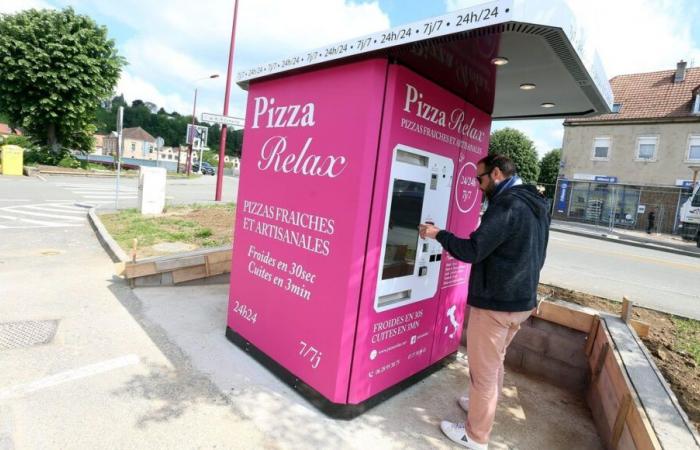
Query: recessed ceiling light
{"x":499,"y":61}
{"x":548,"y":105}
{"x":528,"y":86}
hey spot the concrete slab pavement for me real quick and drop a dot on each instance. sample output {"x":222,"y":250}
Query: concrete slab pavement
{"x":104,"y":381}
{"x":532,"y":415}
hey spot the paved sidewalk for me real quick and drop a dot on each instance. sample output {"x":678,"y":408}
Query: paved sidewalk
{"x":532,"y":414}
{"x":657,"y":241}
{"x":151,"y":368}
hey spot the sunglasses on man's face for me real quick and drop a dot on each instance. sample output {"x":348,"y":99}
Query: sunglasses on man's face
{"x":478,"y":176}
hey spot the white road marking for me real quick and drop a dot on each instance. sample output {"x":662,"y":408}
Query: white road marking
{"x":25,"y":216}
{"x":41,"y":223}
{"x":100,"y":193}
{"x":67,"y":206}
{"x":109,"y":196}
{"x":13,"y":200}
{"x":56,"y":208}
{"x":30,"y":213}
{"x":69,"y":375}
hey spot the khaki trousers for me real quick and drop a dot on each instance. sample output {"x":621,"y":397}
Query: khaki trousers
{"x":488,"y":335}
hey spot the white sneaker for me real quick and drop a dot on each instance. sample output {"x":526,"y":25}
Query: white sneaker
{"x":457,"y":433}
{"x":463,"y":403}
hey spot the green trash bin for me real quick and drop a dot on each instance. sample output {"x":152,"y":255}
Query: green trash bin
{"x":12,"y":159}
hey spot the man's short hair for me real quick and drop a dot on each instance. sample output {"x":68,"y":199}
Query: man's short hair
{"x":504,"y":163}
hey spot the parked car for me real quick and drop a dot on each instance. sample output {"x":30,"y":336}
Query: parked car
{"x":206,"y":168}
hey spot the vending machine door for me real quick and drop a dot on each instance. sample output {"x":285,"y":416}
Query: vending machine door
{"x":418,"y":192}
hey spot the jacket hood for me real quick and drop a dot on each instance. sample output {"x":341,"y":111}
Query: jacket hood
{"x":529,"y":195}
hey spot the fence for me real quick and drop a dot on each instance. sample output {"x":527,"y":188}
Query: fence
{"x":170,"y":166}
{"x":611,"y":205}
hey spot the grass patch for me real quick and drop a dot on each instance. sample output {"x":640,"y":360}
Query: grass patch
{"x":687,"y":337}
{"x":207,"y":225}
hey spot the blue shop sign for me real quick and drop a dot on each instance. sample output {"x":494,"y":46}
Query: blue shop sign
{"x":605,"y":179}
{"x":561,"y":199}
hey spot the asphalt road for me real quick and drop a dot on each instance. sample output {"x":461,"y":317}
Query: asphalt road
{"x":61,"y":201}
{"x":651,"y":278}
{"x":80,"y":367}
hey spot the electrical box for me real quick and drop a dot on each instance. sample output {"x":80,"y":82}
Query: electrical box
{"x":152,"y":182}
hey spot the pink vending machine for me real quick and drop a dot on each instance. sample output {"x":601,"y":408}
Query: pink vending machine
{"x":331,"y":286}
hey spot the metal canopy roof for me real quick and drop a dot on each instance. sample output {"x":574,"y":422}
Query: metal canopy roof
{"x":539,"y":39}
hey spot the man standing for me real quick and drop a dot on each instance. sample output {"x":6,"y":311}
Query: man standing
{"x":507,"y":252}
{"x":650,"y":221}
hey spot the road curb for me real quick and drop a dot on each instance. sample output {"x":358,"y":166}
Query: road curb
{"x":87,"y":175}
{"x":113,"y":249}
{"x":618,"y":239}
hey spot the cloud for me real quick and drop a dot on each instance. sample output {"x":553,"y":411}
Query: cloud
{"x":633,"y":36}
{"x":545,"y":134}
{"x":135,"y":87}
{"x":174,"y":42}
{"x":162,"y":62}
{"x":276,"y":28}
{"x":13,"y":6}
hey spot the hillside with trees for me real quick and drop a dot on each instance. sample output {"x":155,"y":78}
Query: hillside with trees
{"x":172,"y":127}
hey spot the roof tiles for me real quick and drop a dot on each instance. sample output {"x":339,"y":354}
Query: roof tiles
{"x":652,"y":95}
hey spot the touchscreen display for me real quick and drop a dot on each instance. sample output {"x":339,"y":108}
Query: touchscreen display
{"x":402,"y":236}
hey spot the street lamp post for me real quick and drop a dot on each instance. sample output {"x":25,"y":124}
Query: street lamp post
{"x":224,"y":131}
{"x":188,"y":165}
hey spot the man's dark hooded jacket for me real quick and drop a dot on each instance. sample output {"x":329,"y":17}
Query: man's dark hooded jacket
{"x":507,"y":251}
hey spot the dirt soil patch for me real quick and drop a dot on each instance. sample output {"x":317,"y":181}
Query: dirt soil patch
{"x":199,"y":226}
{"x":673,"y":342}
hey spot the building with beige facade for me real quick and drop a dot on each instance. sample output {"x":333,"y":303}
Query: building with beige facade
{"x":617,"y":168}
{"x":138,"y":144}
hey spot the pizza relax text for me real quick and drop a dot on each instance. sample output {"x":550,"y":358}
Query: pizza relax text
{"x":274,"y":154}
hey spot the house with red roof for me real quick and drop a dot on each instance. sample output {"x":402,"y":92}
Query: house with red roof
{"x":617,"y":168}
{"x":5,"y":130}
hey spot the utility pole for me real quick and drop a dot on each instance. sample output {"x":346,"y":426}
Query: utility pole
{"x":224,"y":130}
{"x":120,"y":126}
{"x":191,"y":138}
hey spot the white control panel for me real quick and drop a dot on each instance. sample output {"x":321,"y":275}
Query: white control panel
{"x":419,"y":192}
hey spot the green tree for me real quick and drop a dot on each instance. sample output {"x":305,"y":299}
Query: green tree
{"x":549,"y":170}
{"x":55,"y":67}
{"x":520,"y":149}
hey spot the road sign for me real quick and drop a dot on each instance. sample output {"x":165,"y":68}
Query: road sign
{"x":197,"y":135}
{"x":223,"y":120}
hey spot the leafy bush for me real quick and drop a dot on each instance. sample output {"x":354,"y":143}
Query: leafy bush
{"x":69,"y":161}
{"x":44,"y":155}
{"x":21,"y":141}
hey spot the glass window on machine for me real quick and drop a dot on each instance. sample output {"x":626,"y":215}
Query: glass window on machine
{"x":402,"y":233}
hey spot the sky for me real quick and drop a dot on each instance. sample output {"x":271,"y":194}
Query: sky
{"x":171,"y":45}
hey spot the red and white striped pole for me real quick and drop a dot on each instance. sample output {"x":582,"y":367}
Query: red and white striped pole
{"x":222,"y":140}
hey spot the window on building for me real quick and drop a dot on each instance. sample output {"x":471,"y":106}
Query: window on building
{"x":601,"y":148}
{"x":694,"y":147}
{"x":696,"y":104}
{"x":646,"y":148}
{"x":616,"y":108}
{"x":133,"y":147}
